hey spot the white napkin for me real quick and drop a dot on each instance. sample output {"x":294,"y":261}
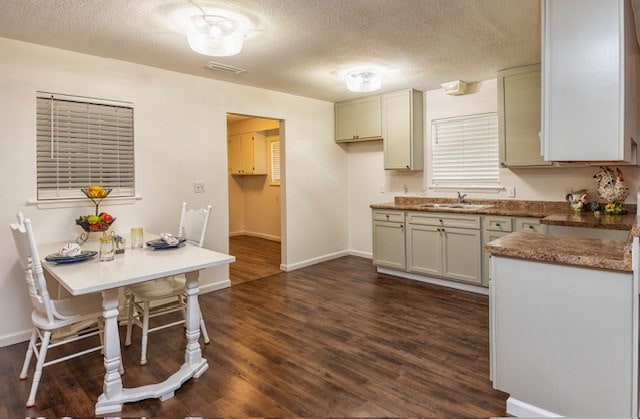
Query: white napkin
{"x":70,"y":250}
{"x":169,"y":239}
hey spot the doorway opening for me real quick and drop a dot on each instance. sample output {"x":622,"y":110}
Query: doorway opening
{"x":255,"y":213}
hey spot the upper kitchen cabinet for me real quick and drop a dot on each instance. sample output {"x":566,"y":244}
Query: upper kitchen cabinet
{"x":590,"y":66}
{"x":358,"y":120}
{"x":248,"y":154}
{"x":403,"y":130}
{"x":519,"y":92}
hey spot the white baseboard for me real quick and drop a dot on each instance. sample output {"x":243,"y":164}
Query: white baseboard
{"x":521,"y":409}
{"x":313,"y":261}
{"x":255,"y":234}
{"x":13,"y":338}
{"x":215,"y":286}
{"x":366,"y":255}
{"x":436,"y":281}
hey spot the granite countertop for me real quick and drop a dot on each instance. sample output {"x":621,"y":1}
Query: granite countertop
{"x":591,"y":220}
{"x":589,"y":253}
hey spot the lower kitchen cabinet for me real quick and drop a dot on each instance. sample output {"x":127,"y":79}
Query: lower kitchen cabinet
{"x":435,"y":247}
{"x":389,"y":239}
{"x":424,"y":249}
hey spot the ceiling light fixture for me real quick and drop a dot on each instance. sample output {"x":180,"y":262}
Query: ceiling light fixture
{"x":454,"y":88}
{"x":218,"y":34}
{"x":364,"y":80}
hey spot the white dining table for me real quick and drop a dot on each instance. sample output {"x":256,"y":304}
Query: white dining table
{"x":132,"y":267}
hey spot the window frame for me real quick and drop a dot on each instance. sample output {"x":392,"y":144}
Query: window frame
{"x":85,"y":122}
{"x":474,"y":182}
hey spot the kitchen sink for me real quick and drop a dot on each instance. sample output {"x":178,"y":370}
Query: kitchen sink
{"x":456,"y":206}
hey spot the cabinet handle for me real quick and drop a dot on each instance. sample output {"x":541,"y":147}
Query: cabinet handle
{"x":531,"y":227}
{"x":401,"y":226}
{"x":407,"y":166}
{"x":497,"y":224}
{"x":440,"y":220}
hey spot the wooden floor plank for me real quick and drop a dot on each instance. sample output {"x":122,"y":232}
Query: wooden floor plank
{"x":333,"y":339}
{"x":255,"y":258}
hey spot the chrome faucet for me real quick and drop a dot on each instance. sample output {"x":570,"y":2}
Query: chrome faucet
{"x":461,"y":197}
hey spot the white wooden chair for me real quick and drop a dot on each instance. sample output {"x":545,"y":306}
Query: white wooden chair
{"x":50,"y":315}
{"x":193,"y":226}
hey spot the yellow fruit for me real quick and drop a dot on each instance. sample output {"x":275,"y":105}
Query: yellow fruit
{"x":93,"y":219}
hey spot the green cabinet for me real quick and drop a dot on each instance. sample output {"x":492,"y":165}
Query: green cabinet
{"x":358,"y":120}
{"x":389,"y":239}
{"x":402,"y":129}
{"x":519,"y":92}
{"x":445,"y":245}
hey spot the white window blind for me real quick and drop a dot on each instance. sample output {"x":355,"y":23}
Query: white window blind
{"x":81,"y":143}
{"x":275,"y":162}
{"x":465,"y":151}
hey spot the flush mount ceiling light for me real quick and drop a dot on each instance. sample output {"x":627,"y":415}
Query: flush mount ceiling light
{"x":217,"y":33}
{"x":364,"y":80}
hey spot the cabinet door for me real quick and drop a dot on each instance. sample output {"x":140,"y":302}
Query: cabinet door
{"x":582,"y":80}
{"x":389,"y":245}
{"x":259,"y":153}
{"x":461,"y":255}
{"x":235,"y":154}
{"x":246,"y":148}
{"x":424,"y":249}
{"x":402,"y":130}
{"x":519,"y":91}
{"x":345,"y":114}
{"x":397,"y":131}
{"x":488,"y":236}
{"x":368,"y":118}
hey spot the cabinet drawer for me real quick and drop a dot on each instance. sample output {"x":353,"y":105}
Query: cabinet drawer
{"x":393,"y":216}
{"x":444,"y":220}
{"x":497,"y":224}
{"x":531,"y":225}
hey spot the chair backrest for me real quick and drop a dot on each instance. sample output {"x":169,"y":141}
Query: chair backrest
{"x":30,"y":263}
{"x":194,"y":223}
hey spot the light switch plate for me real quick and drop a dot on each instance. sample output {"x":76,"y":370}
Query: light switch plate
{"x":198,"y":187}
{"x":511,"y":191}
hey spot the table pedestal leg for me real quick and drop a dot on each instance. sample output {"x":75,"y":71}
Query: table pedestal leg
{"x":193,"y":352}
{"x":112,"y":387}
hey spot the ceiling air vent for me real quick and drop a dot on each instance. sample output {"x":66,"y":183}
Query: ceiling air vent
{"x":212,"y":65}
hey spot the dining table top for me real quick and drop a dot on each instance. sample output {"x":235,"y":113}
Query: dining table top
{"x":131,"y":267}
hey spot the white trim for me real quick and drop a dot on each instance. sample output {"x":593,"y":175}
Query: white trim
{"x":81,"y":202}
{"x":635,"y":263}
{"x":13,"y":338}
{"x":254,"y":234}
{"x":214,"y":286}
{"x":436,"y":281}
{"x":521,"y":409}
{"x":313,"y":261}
{"x":366,"y":255}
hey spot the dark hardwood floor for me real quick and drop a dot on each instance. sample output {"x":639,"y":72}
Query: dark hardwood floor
{"x":334,"y":339}
{"x":255,"y":258}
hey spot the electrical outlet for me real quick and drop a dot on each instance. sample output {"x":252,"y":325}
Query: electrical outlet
{"x":198,"y":187}
{"x":382,"y":188}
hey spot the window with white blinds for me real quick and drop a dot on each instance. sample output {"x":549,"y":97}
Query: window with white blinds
{"x":465,"y":151}
{"x":81,"y":142}
{"x":274,"y":152}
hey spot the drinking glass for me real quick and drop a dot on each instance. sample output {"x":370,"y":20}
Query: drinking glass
{"x":136,"y":238}
{"x":107,"y":248}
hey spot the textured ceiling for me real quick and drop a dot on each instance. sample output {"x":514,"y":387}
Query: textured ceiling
{"x":298,"y":46}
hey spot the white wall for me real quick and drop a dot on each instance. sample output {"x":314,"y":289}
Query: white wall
{"x":367,"y":176}
{"x":180,"y":134}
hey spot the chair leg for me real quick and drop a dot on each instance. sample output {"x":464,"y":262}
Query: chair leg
{"x":203,"y":330}
{"x":29,"y":354}
{"x":130,"y":297}
{"x":145,"y":333}
{"x":38,"y":372}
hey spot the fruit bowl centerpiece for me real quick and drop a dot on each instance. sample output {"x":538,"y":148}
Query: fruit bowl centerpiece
{"x":100,"y":221}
